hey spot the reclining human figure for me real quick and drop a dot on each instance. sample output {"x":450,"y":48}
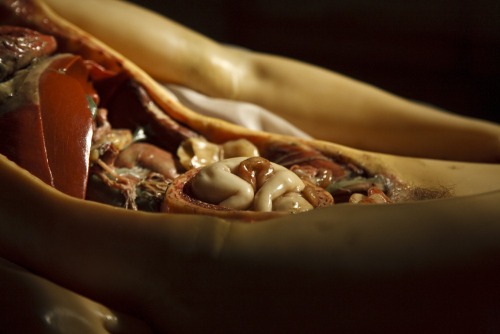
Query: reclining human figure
{"x":373,"y":265}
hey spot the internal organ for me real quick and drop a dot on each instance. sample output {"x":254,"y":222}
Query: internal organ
{"x":46,"y":124}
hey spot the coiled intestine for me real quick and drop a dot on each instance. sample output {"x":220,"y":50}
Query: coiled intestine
{"x":251,"y":184}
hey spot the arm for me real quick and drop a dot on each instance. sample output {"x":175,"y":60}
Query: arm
{"x":355,"y":267}
{"x":182,"y":272}
{"x":324,"y":103}
{"x":339,"y":109}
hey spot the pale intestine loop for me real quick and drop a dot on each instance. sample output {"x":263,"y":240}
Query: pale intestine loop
{"x":219,"y":184}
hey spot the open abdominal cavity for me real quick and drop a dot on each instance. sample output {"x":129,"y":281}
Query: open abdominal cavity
{"x":125,"y":150}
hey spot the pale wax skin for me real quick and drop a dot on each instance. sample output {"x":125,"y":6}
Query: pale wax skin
{"x":326,"y":104}
{"x":419,"y":266}
{"x":345,"y":268}
{"x":33,"y":304}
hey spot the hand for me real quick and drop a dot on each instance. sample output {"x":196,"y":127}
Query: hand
{"x":32,"y":304}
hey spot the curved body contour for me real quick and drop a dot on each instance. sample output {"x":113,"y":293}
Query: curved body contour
{"x":335,"y":108}
{"x":356,"y":267}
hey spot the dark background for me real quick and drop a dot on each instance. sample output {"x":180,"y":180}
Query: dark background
{"x":443,"y":52}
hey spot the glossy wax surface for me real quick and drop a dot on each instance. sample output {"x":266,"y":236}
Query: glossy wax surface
{"x":47,"y":127}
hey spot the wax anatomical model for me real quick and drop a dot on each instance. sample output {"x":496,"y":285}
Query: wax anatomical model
{"x":100,"y":136}
{"x":300,"y":258}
